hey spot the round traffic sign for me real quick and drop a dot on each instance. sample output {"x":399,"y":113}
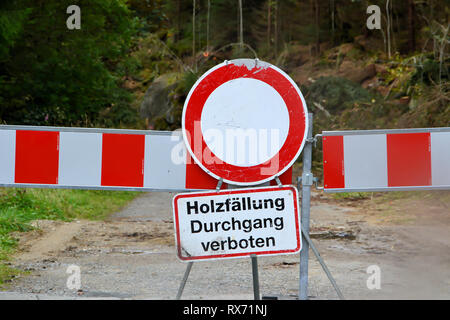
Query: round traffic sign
{"x":245,"y":121}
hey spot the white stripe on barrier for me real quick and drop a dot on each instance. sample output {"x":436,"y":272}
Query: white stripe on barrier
{"x":7,"y":156}
{"x":365,"y":161}
{"x":160,"y":171}
{"x":80,"y":159}
{"x":440,"y":158}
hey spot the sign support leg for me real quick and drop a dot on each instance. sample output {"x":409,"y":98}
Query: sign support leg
{"x":190,"y":263}
{"x":305,"y":210}
{"x":183,"y":282}
{"x":324,"y":266}
{"x":255,"y":277}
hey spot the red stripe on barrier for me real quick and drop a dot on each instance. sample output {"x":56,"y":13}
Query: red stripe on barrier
{"x":37,"y":157}
{"x":333,"y":162}
{"x":408,"y":159}
{"x":123,"y":160}
{"x":196,"y":178}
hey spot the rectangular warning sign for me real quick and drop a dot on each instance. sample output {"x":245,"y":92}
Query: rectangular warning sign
{"x":237,"y":223}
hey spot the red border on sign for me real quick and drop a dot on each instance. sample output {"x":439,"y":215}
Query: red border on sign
{"x":235,"y":191}
{"x":297,"y":123}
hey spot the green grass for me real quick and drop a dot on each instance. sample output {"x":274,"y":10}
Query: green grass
{"x":19,"y":207}
{"x":351,"y":195}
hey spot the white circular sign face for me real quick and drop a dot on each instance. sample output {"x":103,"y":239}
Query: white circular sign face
{"x":236,"y":125}
{"x":245,"y":121}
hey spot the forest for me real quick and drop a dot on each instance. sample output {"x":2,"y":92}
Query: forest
{"x":132,"y":62}
{"x":360,"y":64}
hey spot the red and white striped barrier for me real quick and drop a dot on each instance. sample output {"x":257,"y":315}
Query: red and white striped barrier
{"x":112,"y":159}
{"x":381,"y":160}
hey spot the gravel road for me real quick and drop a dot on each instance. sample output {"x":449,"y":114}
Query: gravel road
{"x":131,"y":255}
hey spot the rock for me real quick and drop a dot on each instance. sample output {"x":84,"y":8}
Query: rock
{"x":369,"y":43}
{"x":404,"y":100}
{"x":346,"y":48}
{"x":297,"y":55}
{"x":355,"y":73}
{"x":381,"y":69}
{"x":157,"y":102}
{"x":370,"y":83}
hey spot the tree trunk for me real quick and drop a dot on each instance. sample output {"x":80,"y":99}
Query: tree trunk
{"x":193,"y":34}
{"x":276,"y":28}
{"x":332,"y":11}
{"x":269,"y":22}
{"x":317,"y":22}
{"x":241,"y":26}
{"x":178,"y":33}
{"x":411,"y":26}
{"x":388,"y":28}
{"x":207,"y":25}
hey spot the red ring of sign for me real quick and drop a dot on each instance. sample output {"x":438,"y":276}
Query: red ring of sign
{"x":297,"y":123}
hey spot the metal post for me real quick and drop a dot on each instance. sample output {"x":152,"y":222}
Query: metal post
{"x":305,"y":209}
{"x":255,"y":277}
{"x":183,"y":282}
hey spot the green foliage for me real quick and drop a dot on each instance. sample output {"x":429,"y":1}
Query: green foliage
{"x":151,"y":13}
{"x":430,"y":109}
{"x":12,"y":18}
{"x":429,"y":72}
{"x":188,"y":80}
{"x":336,"y":94}
{"x":56,"y":76}
{"x":155,"y":58}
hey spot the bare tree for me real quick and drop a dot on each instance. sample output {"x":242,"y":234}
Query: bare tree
{"x":241,"y":27}
{"x":275,"y":26}
{"x":332,"y":9}
{"x":317,"y":22}
{"x":269,"y":22}
{"x":207,"y":25}
{"x":193,"y":34}
{"x":411,"y":26}
{"x":388,"y":28}
{"x":193,"y":28}
{"x":178,"y":20}
{"x":442,"y":40}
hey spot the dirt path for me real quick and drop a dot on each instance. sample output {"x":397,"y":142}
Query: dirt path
{"x":132,"y":255}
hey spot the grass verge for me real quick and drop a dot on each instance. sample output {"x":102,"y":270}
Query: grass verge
{"x":19,"y":207}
